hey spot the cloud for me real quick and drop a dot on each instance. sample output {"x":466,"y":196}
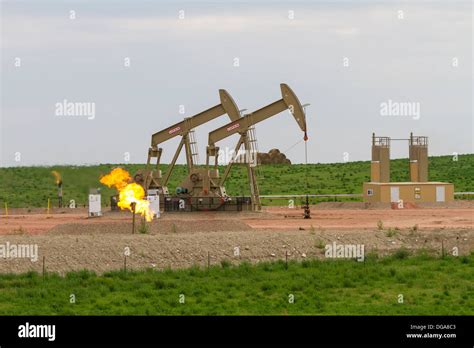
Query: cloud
{"x":185,"y":62}
{"x":45,"y":30}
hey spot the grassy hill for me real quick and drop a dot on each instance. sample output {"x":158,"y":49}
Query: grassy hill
{"x":32,"y":186}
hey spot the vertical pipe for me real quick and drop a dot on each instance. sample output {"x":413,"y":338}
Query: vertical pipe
{"x":133,"y":204}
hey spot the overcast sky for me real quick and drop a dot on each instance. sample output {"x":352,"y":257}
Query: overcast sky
{"x":344,"y":58}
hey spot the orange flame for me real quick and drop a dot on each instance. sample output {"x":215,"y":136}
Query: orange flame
{"x":57,"y":176}
{"x":118,"y":178}
{"x":128,"y":192}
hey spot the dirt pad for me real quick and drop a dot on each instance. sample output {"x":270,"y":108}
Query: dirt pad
{"x":284,"y":218}
{"x":72,"y":242}
{"x":350,"y":217}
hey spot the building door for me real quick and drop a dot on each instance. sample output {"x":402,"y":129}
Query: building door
{"x":394,"y":194}
{"x":440,"y":194}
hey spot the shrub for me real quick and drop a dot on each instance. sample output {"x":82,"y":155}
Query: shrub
{"x":401,"y":254}
{"x":320,"y":244}
{"x":225,"y":263}
{"x":391,"y":232}
{"x":414,"y":229}
{"x":380,"y":225}
{"x":143,"y":228}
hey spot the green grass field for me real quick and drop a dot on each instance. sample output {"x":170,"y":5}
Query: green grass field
{"x":32,"y":186}
{"x":429,"y":286}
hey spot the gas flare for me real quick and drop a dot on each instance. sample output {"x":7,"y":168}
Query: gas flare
{"x":57,"y":177}
{"x":128,"y":192}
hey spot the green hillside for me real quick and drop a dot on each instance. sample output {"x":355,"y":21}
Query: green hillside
{"x":32,"y":186}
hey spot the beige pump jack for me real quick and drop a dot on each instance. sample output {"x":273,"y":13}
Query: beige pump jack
{"x":206,"y":182}
{"x":151,"y":179}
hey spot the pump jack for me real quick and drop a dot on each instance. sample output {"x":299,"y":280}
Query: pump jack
{"x":151,"y":179}
{"x":205,"y":184}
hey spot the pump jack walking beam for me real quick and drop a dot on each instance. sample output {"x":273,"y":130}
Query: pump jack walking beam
{"x":183,"y":128}
{"x":288,"y":101}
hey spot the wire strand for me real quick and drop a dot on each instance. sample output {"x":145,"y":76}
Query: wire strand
{"x":292,"y":146}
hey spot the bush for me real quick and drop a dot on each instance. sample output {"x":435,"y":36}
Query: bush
{"x":380,"y":225}
{"x":401,"y":254}
{"x":391,"y":233}
{"x":143,"y":228}
{"x":225,"y":263}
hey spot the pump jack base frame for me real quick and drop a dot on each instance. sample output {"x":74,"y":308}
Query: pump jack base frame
{"x":191,"y":204}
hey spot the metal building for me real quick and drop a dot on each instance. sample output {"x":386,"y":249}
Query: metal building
{"x":418,"y":189}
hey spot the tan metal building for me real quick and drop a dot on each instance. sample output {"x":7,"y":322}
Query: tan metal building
{"x":413,"y":192}
{"x":418,"y":190}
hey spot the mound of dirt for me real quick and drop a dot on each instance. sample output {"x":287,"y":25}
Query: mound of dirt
{"x":154,"y":227}
{"x":468,"y":204}
{"x":101,"y":253}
